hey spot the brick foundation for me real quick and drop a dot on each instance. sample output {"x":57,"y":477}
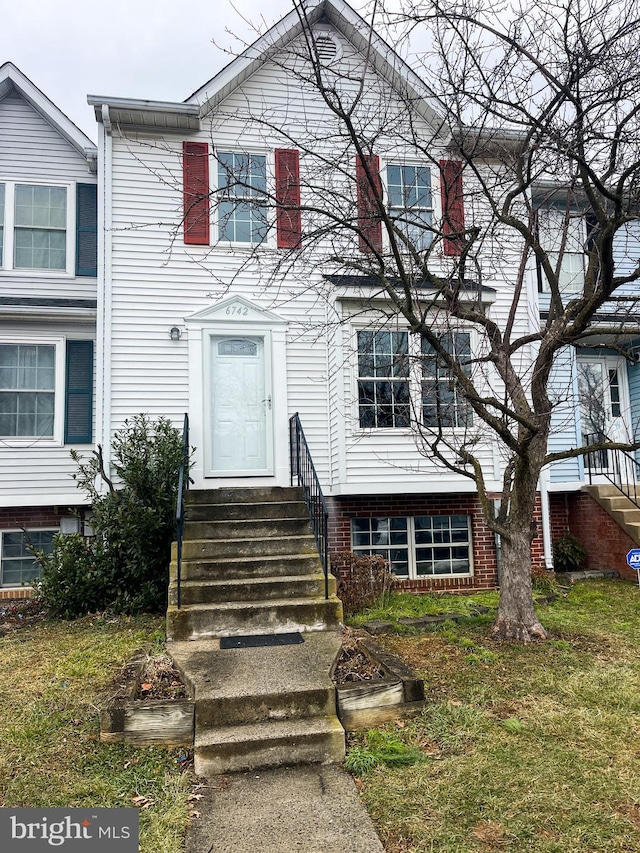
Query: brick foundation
{"x":605,"y":542}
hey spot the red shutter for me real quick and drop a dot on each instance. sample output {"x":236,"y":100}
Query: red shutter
{"x":369,"y":190}
{"x":288,"y":218}
{"x":195,"y":176}
{"x":452,"y":205}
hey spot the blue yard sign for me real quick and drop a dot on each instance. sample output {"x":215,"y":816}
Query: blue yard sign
{"x":633,"y":559}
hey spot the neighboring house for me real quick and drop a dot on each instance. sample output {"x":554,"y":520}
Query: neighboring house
{"x":206,"y":312}
{"x":597,"y":392}
{"x":48,"y":231}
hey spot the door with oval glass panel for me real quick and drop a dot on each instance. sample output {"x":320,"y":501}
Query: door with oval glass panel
{"x":604,"y":406}
{"x":240,"y":406}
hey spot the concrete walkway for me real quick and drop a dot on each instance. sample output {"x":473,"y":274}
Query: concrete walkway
{"x":312,"y":808}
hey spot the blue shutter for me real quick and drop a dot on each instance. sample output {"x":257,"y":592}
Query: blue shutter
{"x":79,"y":393}
{"x":86,"y":229}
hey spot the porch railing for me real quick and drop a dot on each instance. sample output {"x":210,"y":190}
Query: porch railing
{"x":304,"y":473}
{"x":619,"y":467}
{"x":183,"y":485}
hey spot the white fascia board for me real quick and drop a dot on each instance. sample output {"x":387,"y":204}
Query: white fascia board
{"x":48,"y":110}
{"x":49,"y":314}
{"x":64,"y":500}
{"x":155,"y":113}
{"x":427,"y":484}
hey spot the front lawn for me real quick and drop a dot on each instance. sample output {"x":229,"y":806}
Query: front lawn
{"x":54,"y":676}
{"x":524,"y":748}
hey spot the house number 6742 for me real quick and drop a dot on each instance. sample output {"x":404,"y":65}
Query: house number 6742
{"x":237,"y":309}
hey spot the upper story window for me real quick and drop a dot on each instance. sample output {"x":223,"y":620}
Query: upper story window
{"x":562,"y":235}
{"x":383,"y":379}
{"x":411,"y":202}
{"x":242,"y":204}
{"x":37,"y":230}
{"x":442,"y":402}
{"x":40,"y":224}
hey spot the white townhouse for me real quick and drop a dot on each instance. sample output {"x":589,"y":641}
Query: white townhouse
{"x":48,"y":238}
{"x":205,"y":308}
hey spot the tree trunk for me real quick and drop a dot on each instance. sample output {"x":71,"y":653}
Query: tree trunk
{"x":516,"y":619}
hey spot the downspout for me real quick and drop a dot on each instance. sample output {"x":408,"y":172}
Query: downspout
{"x":105,"y":305}
{"x":546,"y":520}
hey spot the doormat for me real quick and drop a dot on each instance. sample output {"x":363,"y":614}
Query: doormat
{"x":256,"y":640}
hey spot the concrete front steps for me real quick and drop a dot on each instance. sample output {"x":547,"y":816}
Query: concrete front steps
{"x":250,"y":566}
{"x":619,"y":507}
{"x":262,"y":707}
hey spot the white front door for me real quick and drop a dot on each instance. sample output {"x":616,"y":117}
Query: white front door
{"x":240,"y":405}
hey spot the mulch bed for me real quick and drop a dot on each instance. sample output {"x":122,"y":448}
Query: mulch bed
{"x":160,"y":680}
{"x":354,"y":665}
{"x":16,"y":613}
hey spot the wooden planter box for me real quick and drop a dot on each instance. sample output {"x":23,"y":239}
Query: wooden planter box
{"x":145,"y":722}
{"x":363,"y":704}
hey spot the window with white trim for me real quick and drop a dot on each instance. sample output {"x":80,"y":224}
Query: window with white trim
{"x":562,"y":234}
{"x":18,"y":566}
{"x":417,"y":546}
{"x":27,"y":390}
{"x":242,"y":203}
{"x":388,"y":386}
{"x":383,"y":379}
{"x":411,"y":202}
{"x":40,"y":226}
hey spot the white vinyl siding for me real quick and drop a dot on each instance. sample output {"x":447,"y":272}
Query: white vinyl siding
{"x":34,"y":153}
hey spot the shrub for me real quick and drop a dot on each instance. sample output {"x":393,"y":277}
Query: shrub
{"x":364,"y":580}
{"x":124,"y":566}
{"x":568,"y":553}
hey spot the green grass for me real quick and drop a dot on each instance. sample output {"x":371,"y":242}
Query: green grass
{"x":399,"y":605}
{"x":527,"y":748}
{"x":54,"y":677}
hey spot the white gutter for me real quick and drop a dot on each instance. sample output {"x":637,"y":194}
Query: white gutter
{"x":546,"y":520}
{"x":105,"y":227}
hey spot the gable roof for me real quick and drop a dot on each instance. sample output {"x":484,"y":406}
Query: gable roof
{"x":346,"y":21}
{"x":12,"y":79}
{"x":169,"y":116}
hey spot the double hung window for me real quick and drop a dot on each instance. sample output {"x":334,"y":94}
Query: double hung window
{"x":442,"y":402}
{"x":411,"y":203}
{"x":27,"y":390}
{"x":417,"y":546}
{"x":18,"y":566}
{"x":562,"y":235}
{"x":242,"y":204}
{"x":40,"y":241}
{"x":383,"y":379}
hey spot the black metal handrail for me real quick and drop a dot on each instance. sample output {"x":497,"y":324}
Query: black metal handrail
{"x":618,"y":466}
{"x":303,"y":469}
{"x":183,"y":485}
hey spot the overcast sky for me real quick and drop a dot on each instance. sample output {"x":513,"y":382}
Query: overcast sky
{"x":156,"y":49}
